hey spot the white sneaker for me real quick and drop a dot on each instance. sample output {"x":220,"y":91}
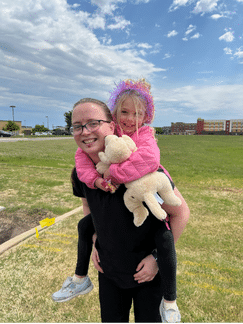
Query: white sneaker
{"x":71,"y":289}
{"x":169,"y":313}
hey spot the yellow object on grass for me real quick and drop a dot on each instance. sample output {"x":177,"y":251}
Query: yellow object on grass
{"x":37,"y":233}
{"x":47,"y":222}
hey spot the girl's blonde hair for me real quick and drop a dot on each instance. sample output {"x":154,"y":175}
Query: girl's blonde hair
{"x":139,"y":91}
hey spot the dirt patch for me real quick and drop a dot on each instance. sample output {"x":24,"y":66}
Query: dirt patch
{"x":20,"y":221}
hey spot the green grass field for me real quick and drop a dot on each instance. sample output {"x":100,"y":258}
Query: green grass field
{"x":208,"y":170}
{"x":36,"y":174}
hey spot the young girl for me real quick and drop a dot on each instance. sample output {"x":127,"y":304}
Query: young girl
{"x":131,"y":105}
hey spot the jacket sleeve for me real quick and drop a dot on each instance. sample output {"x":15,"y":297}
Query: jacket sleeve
{"x":86,"y":171}
{"x":145,"y":160}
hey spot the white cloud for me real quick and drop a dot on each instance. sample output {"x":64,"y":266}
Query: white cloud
{"x":95,"y":22}
{"x":190,"y":29}
{"x":106,"y":40}
{"x":143,"y":52}
{"x":51,"y":57}
{"x":124,"y":46}
{"x":107,"y":6}
{"x":197,"y":35}
{"x":228,"y":51}
{"x":228,"y":37}
{"x":144,"y":45}
{"x":239,"y":53}
{"x":172,"y":33}
{"x":75,"y":5}
{"x":178,"y":3}
{"x":167,"y":56}
{"x":138,"y":48}
{"x":216,"y":16}
{"x":141,"y":1}
{"x":203,"y":6}
{"x":120,"y":23}
{"x":207,"y":99}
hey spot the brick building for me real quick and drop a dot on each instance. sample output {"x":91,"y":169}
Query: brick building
{"x":21,"y":130}
{"x":180,"y":128}
{"x":233,"y":126}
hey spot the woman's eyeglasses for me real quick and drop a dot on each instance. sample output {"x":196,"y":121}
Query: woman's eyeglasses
{"x":91,"y":126}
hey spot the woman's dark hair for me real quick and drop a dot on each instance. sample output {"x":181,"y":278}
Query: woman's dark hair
{"x":72,"y":176}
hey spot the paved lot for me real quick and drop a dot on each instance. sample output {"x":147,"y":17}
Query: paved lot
{"x":12,"y":139}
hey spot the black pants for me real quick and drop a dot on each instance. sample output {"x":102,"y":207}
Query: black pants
{"x":164,"y":242}
{"x":115,"y":302}
{"x":85,"y":233}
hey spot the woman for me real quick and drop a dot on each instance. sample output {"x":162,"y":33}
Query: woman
{"x":122,"y":254}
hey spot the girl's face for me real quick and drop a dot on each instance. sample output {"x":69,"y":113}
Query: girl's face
{"x":130,"y":118}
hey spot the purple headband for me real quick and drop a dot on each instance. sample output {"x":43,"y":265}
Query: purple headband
{"x":138,"y":86}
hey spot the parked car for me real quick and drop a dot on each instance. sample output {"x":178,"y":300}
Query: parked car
{"x":59,"y":132}
{"x":5,"y":134}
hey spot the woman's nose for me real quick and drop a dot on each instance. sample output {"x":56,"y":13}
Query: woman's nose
{"x":85,"y":131}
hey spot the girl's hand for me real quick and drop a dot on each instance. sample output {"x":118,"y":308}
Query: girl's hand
{"x":98,"y":184}
{"x":146,"y":270}
{"x":106,"y":174}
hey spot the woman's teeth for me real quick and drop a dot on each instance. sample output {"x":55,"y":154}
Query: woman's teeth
{"x":89,"y":141}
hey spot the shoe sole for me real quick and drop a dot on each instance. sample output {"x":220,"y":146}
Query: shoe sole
{"x":164,"y":320}
{"x":86,"y":291}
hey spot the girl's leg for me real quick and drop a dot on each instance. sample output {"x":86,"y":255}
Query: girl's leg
{"x":115,"y":302}
{"x":167,"y":266}
{"x":85,"y":233}
{"x":80,"y":283}
{"x":164,"y":242}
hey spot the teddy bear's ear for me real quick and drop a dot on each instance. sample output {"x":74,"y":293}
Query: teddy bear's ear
{"x":109,"y":138}
{"x":130,"y":143}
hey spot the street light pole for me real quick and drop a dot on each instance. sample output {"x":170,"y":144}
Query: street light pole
{"x":13,"y":111}
{"x":47,"y":122}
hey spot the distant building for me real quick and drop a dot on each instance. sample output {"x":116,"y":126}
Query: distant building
{"x":220,"y":127}
{"x":166,"y":130}
{"x":60,"y":127}
{"x":22,"y":129}
{"x":180,"y":128}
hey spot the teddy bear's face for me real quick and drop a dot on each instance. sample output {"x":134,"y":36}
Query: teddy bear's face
{"x":116,"y":149}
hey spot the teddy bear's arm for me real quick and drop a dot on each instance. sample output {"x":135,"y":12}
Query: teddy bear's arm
{"x":101,"y":167}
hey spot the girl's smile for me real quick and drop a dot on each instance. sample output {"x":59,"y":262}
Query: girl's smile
{"x":130,"y":117}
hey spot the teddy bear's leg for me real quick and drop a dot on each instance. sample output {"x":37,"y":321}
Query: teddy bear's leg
{"x":154,"y":206}
{"x":140,"y":214}
{"x":136,"y":207}
{"x":169,"y":197}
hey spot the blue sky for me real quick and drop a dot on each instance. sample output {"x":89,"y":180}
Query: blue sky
{"x":55,"y":52}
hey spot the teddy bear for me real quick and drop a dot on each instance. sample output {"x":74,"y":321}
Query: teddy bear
{"x":118,"y":150}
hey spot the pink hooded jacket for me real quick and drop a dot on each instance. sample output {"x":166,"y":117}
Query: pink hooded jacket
{"x":145,"y":160}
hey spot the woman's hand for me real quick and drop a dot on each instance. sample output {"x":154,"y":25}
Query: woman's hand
{"x":95,"y":256}
{"x":146,"y":270}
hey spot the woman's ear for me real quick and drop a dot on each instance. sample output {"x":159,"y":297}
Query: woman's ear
{"x":112,"y":126}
